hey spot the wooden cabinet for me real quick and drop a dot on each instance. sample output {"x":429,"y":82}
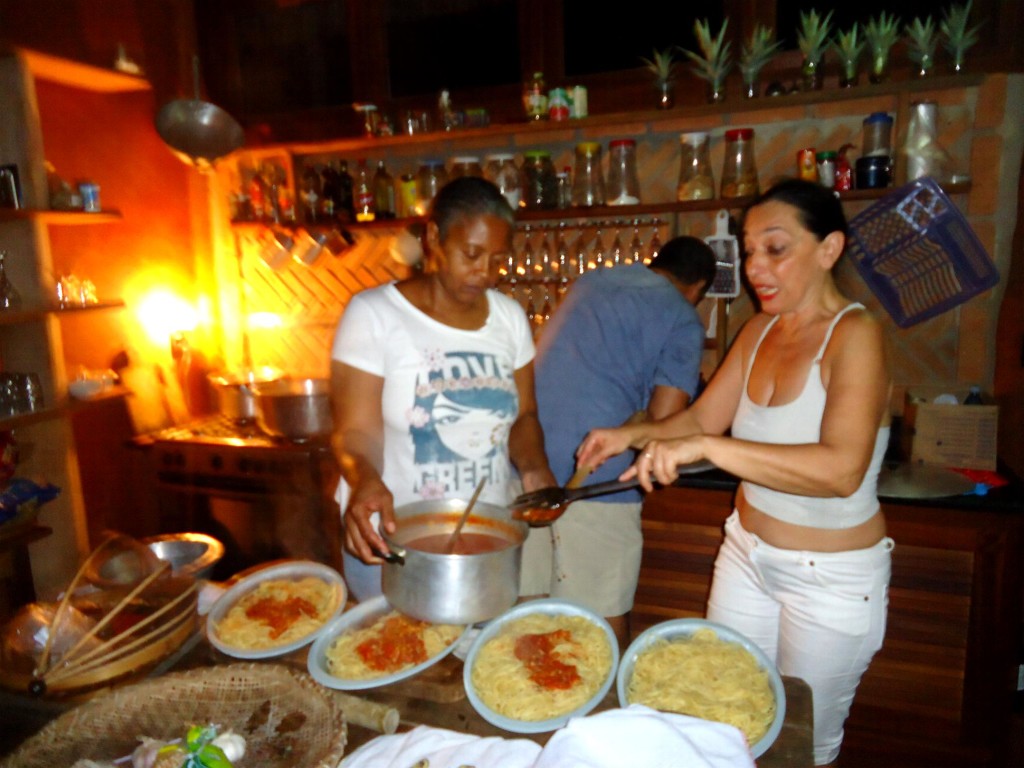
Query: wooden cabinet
{"x":940,"y":692}
{"x":30,"y":337}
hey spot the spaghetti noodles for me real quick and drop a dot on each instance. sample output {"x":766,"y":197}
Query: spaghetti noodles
{"x":277,"y":612}
{"x":392,"y":643}
{"x":706,"y":677}
{"x":542,"y":666}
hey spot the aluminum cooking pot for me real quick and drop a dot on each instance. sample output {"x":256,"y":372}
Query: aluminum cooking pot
{"x":236,"y":398}
{"x":295,"y":409}
{"x":453,"y":588}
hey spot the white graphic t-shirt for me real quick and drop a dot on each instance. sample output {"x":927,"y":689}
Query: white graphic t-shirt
{"x":449,"y":397}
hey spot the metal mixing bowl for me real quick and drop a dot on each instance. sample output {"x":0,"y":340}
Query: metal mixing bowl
{"x":190,"y":554}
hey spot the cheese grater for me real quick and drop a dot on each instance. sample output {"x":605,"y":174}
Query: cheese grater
{"x":726,"y":284}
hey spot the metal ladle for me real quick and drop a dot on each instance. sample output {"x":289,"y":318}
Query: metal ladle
{"x":198,"y":132}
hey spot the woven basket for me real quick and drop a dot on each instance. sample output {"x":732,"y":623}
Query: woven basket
{"x":284,"y":716}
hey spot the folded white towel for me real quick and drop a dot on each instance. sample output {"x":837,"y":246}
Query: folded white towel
{"x":641,"y":736}
{"x":444,"y":749}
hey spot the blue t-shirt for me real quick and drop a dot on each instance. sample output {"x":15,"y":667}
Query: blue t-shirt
{"x":619,"y":333}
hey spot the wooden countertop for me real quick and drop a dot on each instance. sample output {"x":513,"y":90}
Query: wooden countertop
{"x":435,"y":697}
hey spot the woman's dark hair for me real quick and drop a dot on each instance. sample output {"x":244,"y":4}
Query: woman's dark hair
{"x":818,"y":208}
{"x":468,"y":196}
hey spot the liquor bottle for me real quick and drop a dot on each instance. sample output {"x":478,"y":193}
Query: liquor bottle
{"x":383,"y":192}
{"x":329,"y":191}
{"x":311,"y":191}
{"x":343,"y":202}
{"x":362,"y":190}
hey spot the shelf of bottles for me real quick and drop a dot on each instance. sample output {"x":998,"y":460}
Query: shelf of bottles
{"x":548,"y":255}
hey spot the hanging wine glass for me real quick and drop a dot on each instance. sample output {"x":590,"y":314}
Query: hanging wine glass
{"x":525,"y":266}
{"x":545,"y":310}
{"x":542,"y":265}
{"x":655,"y":245}
{"x":563,"y":261}
{"x":597,"y":251}
{"x":531,"y":308}
{"x":579,"y":253}
{"x":636,"y":245}
{"x":616,"y":253}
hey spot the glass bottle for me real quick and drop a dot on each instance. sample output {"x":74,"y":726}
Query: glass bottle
{"x":363,"y":193}
{"x":539,"y":182}
{"x":588,"y":180}
{"x":383,"y":192}
{"x":466,"y":166}
{"x":344,"y":205}
{"x":9,"y":296}
{"x":535,"y":99}
{"x":328,"y":191}
{"x":739,"y":171}
{"x":311,"y":191}
{"x":430,"y":177}
{"x":502,"y":172}
{"x":623,"y":186}
{"x":696,"y":181}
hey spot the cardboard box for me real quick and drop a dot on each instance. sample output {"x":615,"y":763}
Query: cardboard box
{"x":949,"y":435}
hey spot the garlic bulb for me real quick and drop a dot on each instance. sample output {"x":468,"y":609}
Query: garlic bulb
{"x":231,"y":744}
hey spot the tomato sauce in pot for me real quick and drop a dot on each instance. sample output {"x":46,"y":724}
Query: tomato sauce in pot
{"x":468,"y":543}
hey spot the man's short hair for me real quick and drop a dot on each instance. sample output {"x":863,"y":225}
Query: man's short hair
{"x":689,"y":259}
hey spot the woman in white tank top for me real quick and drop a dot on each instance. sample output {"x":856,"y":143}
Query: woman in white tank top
{"x":805,"y":390}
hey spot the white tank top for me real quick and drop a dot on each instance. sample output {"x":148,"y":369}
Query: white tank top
{"x":799,"y":422}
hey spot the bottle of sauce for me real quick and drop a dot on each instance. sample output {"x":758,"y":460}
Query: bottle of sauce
{"x":383,"y":192}
{"x":362,"y":190}
{"x":535,"y":97}
{"x":343,"y":204}
{"x":328,"y":191}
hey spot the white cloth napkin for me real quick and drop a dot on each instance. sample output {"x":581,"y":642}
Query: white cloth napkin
{"x":635,"y":736}
{"x":444,"y":749}
{"x":641,"y":736}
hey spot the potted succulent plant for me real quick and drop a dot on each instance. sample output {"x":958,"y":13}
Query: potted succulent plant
{"x":662,"y":65}
{"x":959,"y":38}
{"x":849,"y":46}
{"x":812,"y":38}
{"x":923,"y":41}
{"x":755,"y":53}
{"x":713,"y":62}
{"x":881,"y":33}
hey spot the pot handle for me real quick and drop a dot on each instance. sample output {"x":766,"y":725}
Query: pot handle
{"x":396,"y":556}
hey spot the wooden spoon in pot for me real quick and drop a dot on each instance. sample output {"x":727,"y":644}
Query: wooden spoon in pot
{"x":453,"y":540}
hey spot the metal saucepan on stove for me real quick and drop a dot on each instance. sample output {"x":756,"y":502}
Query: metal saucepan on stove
{"x":295,"y":409}
{"x":234,"y":392}
{"x":479,"y":581}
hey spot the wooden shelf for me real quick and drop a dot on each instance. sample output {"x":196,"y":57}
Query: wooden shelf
{"x":66,"y":406}
{"x":596,"y":212}
{"x":15,"y":316}
{"x":78,"y":75}
{"x":50,"y":216}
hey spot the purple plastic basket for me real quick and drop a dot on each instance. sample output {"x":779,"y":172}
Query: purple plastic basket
{"x":918,"y":254}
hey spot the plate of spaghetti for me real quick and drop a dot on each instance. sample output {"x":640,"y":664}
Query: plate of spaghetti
{"x":539,"y":664}
{"x":703,"y":669}
{"x":373,"y":645}
{"x":276,"y":610}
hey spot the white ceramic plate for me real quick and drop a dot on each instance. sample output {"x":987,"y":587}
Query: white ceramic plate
{"x":553,"y":607}
{"x":677,"y":628}
{"x":363,"y":615}
{"x":294,"y":569}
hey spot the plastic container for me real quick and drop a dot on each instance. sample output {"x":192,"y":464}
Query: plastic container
{"x":588,"y":180}
{"x":827,"y":168}
{"x":874,"y":172}
{"x":623,"y":186}
{"x":877,"y":135}
{"x":501,"y":170}
{"x":540,"y":188}
{"x":696,"y":180}
{"x":923,"y":154}
{"x":739,"y":170}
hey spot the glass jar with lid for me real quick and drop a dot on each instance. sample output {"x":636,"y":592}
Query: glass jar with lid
{"x":540,"y":188}
{"x":696,"y":180}
{"x":588,"y":179}
{"x":623,"y":186}
{"x":739,"y":171}
{"x":430,"y":177}
{"x":500,"y":170}
{"x":466,"y":166}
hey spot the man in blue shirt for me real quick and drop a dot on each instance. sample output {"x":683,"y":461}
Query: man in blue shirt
{"x":625,"y":343}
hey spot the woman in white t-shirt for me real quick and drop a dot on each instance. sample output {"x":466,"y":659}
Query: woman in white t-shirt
{"x":432,"y":381}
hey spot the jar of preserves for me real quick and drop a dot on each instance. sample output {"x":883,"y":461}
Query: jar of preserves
{"x":535,"y":97}
{"x":539,"y":183}
{"x":501,"y":171}
{"x":739,"y":171}
{"x":430,"y":177}
{"x":466,"y":166}
{"x":696,"y":180}
{"x":623,"y":185}
{"x":588,"y":179}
